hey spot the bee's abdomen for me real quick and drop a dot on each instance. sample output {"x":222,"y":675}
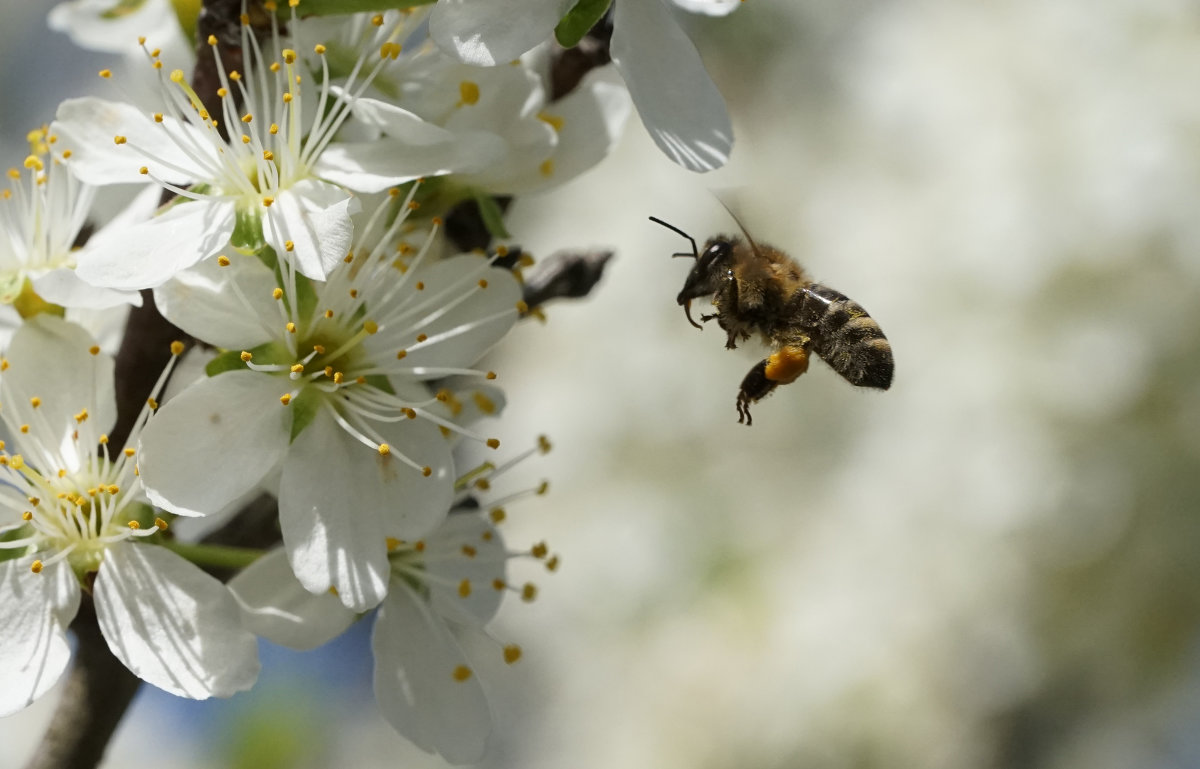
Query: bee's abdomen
{"x":847,"y":338}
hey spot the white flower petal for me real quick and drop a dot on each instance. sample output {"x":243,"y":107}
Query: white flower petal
{"x":214,"y":442}
{"x":460,"y":335}
{"x":229,"y":307}
{"x":33,"y":636}
{"x":485,"y":565}
{"x":416,"y":660}
{"x":87,"y":128}
{"x":50,"y":359}
{"x":148,"y":254}
{"x":422,"y":505}
{"x":375,"y":166}
{"x":710,"y":7}
{"x":173,"y":625}
{"x":490,"y":32}
{"x":277,"y":607}
{"x":64,"y":288}
{"x":677,"y":101}
{"x":331,"y":500}
{"x":97,"y":25}
{"x":314,"y":217}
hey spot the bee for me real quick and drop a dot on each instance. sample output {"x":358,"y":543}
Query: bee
{"x":759,"y":289}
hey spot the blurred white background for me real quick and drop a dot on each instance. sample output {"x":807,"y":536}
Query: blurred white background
{"x":993,"y":564}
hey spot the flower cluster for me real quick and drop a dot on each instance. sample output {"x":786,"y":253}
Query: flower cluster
{"x":290,"y":209}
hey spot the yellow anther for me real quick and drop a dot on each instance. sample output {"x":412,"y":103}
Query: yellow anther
{"x":329,"y":371}
{"x":482,"y":283}
{"x":27,"y":515}
{"x":420,"y":286}
{"x":502,"y":251}
{"x":153,"y":404}
{"x":267,"y":201}
{"x":135,"y":525}
{"x":539,"y":550}
{"x":246,"y":139}
{"x":129,"y":452}
{"x":426,"y":471}
{"x":277,"y":293}
{"x":389,"y":50}
{"x":485,"y":404}
{"x":113,"y":489}
{"x":223,"y":260}
{"x":552,"y":563}
{"x":36,"y":567}
{"x":246,"y":356}
{"x":297,"y":368}
{"x":354,"y":293}
{"x":490,"y":375}
{"x":528,"y":592}
{"x":289,"y":55}
{"x":547,"y":167}
{"x":393,"y":544}
{"x":483,"y":484}
{"x":413,"y":205}
{"x":319,"y":49}
{"x":285,"y":399}
{"x":119,"y":140}
{"x":360,"y":379}
{"x":105,"y":73}
{"x":212,"y":39}
{"x":384,"y":449}
{"x":464,"y":588}
{"x":291,"y":327}
{"x":410,"y":413}
{"x":274,"y":129}
{"x":497,"y":515}
{"x":469,"y":551}
{"x":144,"y":171}
{"x":328,"y":314}
{"x":512,"y":653}
{"x":287,"y":99}
{"x":522,"y":307}
{"x":160,"y":524}
{"x":177,"y":347}
{"x":94,"y":349}
{"x":468,"y":92}
{"x":421,"y":337}
{"x":554,"y":121}
{"x":370,"y":326}
{"x":247,"y":118}
{"x":176,"y":76}
{"x":268,"y":155}
{"x":319,"y":349}
{"x":35,"y":401}
{"x":543,"y":444}
{"x":462,"y":673}
{"x":493,"y":443}
{"x":401,"y":355}
{"x":543,"y":487}
{"x":24,"y":428}
{"x":289,"y":246}
{"x":339,"y":377}
{"x":377,"y":20}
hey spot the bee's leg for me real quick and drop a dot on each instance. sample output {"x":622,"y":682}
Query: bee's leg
{"x":782,"y":367}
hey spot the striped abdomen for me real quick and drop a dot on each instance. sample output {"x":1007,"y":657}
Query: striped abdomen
{"x":846,"y":337}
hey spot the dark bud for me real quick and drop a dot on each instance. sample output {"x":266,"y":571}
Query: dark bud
{"x":566,"y":274}
{"x":465,"y":226}
{"x":568,"y":66}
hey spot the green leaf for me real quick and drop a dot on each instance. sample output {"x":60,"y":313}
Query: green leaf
{"x":579,"y":20}
{"x":304,"y":408}
{"x":493,"y":217}
{"x":336,"y":7}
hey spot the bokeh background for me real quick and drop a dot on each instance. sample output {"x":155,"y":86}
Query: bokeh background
{"x":993,"y":564}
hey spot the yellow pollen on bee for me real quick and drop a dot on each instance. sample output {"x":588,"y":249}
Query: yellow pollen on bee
{"x":384,"y":449}
{"x":464,"y":588}
{"x":223,"y":260}
{"x":462,"y":673}
{"x":402,"y":354}
{"x":285,"y":399}
{"x":512,"y":653}
{"x":36,"y":567}
{"x":177,"y":347}
{"x":246,"y":356}
{"x":426,"y":471}
{"x":493,"y":443}
{"x":528,"y":592}
{"x":105,"y":73}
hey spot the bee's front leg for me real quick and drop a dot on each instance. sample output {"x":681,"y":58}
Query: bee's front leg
{"x":782,"y":367}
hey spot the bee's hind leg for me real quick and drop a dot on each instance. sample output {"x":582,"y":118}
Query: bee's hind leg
{"x":781,"y":367}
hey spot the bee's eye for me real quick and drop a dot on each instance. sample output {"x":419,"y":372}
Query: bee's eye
{"x":717,"y":250}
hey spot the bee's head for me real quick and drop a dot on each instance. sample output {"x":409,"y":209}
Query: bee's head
{"x":706,"y":275}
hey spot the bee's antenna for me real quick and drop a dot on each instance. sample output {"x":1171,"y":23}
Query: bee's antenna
{"x":742,"y":227}
{"x":695,"y":251}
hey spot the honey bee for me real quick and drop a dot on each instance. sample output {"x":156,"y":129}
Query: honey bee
{"x":758,"y":288}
